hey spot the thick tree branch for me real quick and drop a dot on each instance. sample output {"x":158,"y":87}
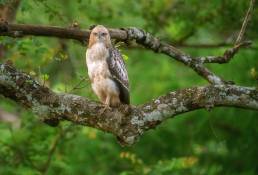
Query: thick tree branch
{"x":125,"y":122}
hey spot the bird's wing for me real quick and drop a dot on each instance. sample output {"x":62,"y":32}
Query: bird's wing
{"x":118,"y":71}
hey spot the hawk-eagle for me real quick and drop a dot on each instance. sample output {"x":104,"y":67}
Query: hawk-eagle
{"x":106,"y":69}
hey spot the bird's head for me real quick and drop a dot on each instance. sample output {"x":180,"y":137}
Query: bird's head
{"x":99,"y":34}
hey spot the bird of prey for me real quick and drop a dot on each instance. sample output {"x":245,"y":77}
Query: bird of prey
{"x":106,"y":69}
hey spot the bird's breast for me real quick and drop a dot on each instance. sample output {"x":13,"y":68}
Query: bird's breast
{"x":98,"y":70}
{"x":96,"y":59}
{"x":100,"y":77}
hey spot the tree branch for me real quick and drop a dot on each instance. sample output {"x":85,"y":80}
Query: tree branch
{"x":227,"y":56}
{"x":126,"y":34}
{"x":125,"y":122}
{"x":141,"y":37}
{"x":196,"y":45}
{"x":60,"y":135}
{"x":245,"y":22}
{"x":229,"y":53}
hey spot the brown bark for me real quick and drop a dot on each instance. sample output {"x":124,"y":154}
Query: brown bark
{"x":8,"y":13}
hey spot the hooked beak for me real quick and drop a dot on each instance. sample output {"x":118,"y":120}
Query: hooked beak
{"x":99,"y":36}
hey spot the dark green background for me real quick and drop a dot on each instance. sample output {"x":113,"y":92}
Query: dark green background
{"x":222,"y":141}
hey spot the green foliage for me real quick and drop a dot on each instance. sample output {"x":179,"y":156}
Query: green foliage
{"x":223,"y":141}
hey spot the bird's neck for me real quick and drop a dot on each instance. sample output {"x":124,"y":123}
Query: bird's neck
{"x":98,"y":46}
{"x":107,"y":44}
{"x":99,"y":51}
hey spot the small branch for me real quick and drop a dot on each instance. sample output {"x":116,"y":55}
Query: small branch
{"x":61,"y":134}
{"x":211,"y":46}
{"x":227,"y":56}
{"x":77,"y":86}
{"x":51,"y":152}
{"x":153,"y":43}
{"x":125,"y":122}
{"x":193,"y":46}
{"x":245,"y":22}
{"x":230,"y":53}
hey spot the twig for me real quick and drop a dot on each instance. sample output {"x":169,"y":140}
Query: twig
{"x":227,"y":56}
{"x":53,"y":148}
{"x":246,"y":20}
{"x":78,"y":84}
{"x":230,"y":53}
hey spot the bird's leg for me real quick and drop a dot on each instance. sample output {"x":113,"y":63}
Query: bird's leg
{"x":106,"y":104}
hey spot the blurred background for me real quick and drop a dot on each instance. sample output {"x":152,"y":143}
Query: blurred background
{"x":220,"y":141}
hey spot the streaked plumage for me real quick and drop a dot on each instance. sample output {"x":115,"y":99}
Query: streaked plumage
{"x":106,"y":69}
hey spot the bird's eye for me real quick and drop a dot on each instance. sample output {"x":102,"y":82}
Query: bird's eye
{"x":103,"y":34}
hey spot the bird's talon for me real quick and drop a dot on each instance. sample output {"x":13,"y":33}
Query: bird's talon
{"x":103,"y":110}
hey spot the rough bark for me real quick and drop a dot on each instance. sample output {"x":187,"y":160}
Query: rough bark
{"x":125,"y":122}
